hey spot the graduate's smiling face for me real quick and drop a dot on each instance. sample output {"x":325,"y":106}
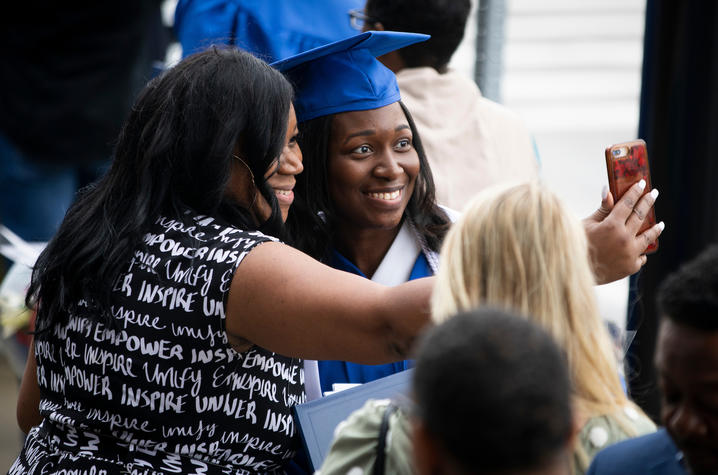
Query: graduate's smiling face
{"x":372,"y":166}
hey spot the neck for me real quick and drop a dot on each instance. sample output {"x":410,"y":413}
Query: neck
{"x":364,"y":247}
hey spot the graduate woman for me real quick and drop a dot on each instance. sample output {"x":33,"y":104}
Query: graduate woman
{"x":170,"y":320}
{"x":365,"y":202}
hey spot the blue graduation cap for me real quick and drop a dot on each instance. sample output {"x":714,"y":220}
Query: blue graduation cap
{"x":345,"y":75}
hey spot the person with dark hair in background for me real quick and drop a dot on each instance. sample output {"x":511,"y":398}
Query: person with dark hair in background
{"x":513,"y":414}
{"x":687,"y":363}
{"x":470,"y":141}
{"x":170,"y":322}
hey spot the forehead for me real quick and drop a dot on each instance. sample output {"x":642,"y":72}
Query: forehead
{"x":683,"y":349}
{"x":387,"y":117}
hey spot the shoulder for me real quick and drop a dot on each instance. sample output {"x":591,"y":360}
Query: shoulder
{"x":206,"y":230}
{"x":198,"y":240}
{"x":499,"y":115}
{"x":356,"y":438}
{"x":602,"y":431}
{"x":635,"y":455}
{"x":423,"y":83}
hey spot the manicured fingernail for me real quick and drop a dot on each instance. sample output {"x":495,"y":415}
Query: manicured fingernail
{"x":654,"y":193}
{"x":642,"y":183}
{"x":604,"y":192}
{"x":661,"y":226}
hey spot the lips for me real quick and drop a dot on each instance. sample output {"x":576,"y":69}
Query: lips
{"x":284,"y":195}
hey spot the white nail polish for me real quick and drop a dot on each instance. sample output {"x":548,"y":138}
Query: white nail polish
{"x":642,"y":183}
{"x":604,"y":192}
{"x":654,"y":193}
{"x":661,"y":226}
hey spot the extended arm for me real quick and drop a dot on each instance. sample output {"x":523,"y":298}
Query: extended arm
{"x":285,"y":301}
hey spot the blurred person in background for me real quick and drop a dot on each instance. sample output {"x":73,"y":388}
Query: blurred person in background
{"x":513,"y":415}
{"x":687,"y":363}
{"x":69,"y":76}
{"x":520,"y":248}
{"x":270,"y":30}
{"x":471,"y":142}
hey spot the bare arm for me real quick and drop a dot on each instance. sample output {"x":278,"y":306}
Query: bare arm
{"x":28,"y":401}
{"x":285,"y":301}
{"x":616,"y":248}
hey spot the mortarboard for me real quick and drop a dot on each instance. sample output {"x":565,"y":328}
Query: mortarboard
{"x":345,"y":75}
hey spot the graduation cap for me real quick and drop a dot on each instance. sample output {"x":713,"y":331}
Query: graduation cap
{"x":345,"y":75}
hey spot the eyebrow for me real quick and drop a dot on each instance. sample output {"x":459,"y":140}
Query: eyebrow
{"x":367,"y":132}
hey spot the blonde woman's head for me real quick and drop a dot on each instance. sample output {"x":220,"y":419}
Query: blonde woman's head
{"x":519,"y":248}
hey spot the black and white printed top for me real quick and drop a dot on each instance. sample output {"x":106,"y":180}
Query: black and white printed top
{"x":164,"y":382}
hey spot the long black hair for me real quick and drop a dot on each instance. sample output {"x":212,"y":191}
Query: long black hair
{"x":312,"y":221}
{"x":173,"y":153}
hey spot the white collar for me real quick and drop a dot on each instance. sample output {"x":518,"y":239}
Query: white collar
{"x":399,"y":260}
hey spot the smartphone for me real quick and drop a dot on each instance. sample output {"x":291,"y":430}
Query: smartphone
{"x":626,"y":164}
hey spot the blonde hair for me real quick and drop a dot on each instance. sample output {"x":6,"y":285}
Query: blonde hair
{"x":520,"y":249}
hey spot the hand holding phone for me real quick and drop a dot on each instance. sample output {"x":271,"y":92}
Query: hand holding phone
{"x":627,"y":164}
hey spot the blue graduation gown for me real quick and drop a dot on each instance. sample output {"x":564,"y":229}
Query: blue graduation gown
{"x":331,"y":372}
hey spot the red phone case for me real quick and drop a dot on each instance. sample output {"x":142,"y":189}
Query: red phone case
{"x":625,"y":169}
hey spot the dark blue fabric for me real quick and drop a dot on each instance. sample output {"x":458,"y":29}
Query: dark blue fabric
{"x":331,"y":372}
{"x":650,"y":454}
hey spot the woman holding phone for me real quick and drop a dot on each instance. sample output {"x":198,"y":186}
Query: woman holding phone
{"x":365,"y":203}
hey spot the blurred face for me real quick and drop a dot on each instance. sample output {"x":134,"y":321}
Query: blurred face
{"x":290,"y":164}
{"x":687,"y":362}
{"x":372,"y":166}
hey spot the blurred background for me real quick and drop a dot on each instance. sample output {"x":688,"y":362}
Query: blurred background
{"x":576,"y":73}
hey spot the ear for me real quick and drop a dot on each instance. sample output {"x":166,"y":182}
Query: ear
{"x":379,"y":26}
{"x":427,"y":457}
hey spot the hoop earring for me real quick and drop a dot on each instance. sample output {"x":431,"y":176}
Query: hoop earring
{"x":254,"y":185}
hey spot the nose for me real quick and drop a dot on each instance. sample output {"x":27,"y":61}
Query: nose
{"x":388,"y":167}
{"x":290,"y":162}
{"x":686,"y":423}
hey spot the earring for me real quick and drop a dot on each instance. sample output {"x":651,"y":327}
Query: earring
{"x":247,"y":167}
{"x":254,"y":185}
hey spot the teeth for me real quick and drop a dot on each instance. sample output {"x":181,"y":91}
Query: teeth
{"x":283,"y":192}
{"x":386,"y":196}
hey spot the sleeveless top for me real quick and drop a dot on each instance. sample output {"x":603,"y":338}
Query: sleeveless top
{"x":162,"y":387}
